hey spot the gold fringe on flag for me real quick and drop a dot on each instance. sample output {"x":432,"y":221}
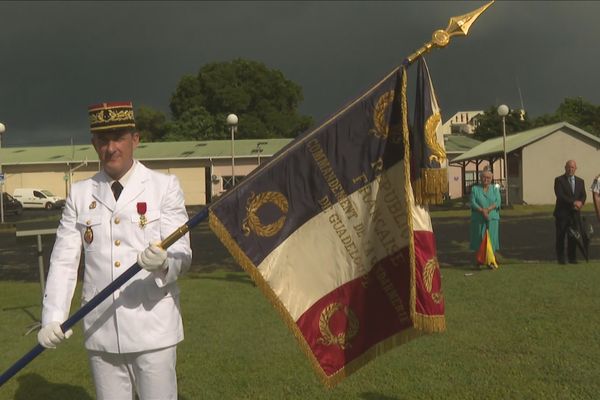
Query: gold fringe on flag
{"x":429,"y":323}
{"x":431,"y":186}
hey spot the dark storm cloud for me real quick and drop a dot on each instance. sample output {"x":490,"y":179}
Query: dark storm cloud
{"x":58,"y":57}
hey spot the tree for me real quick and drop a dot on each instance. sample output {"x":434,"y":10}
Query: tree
{"x":576,"y":111}
{"x":263,"y":99}
{"x":195,"y":123}
{"x":573,"y":110}
{"x":152,"y":124}
{"x":490,"y":123}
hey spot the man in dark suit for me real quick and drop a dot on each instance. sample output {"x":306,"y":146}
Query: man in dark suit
{"x":570,"y":197}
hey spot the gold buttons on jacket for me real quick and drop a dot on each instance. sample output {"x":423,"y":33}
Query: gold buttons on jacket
{"x":117,"y":264}
{"x":117,"y":242}
{"x":117,"y":220}
{"x":88,"y":222}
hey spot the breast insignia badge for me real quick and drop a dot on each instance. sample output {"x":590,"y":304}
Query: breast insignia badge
{"x":141,"y":209}
{"x":88,"y":235}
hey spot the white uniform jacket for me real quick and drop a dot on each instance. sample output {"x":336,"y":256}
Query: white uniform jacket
{"x":144,"y":314}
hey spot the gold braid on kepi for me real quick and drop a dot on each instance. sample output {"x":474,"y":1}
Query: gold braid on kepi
{"x":115,"y":116}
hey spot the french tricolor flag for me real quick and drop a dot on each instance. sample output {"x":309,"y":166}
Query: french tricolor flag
{"x":330,"y":231}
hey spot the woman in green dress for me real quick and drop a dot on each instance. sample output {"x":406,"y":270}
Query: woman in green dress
{"x":485,"y":211}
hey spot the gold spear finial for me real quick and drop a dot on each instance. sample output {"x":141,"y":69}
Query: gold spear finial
{"x":457,"y":26}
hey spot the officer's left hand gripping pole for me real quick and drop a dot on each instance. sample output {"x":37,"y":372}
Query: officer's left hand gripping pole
{"x":100,"y":297}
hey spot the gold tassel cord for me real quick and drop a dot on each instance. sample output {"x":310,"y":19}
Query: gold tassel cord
{"x":421,"y":322}
{"x":408,"y":197}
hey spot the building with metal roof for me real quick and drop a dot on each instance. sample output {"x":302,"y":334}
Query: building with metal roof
{"x":458,"y":176}
{"x":204,"y":168}
{"x":536,"y":156}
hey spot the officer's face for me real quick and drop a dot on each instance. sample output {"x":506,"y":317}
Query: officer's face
{"x":115,"y":150}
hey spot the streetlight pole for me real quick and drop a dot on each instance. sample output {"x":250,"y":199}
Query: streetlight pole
{"x":232,"y":121}
{"x":2,"y":130}
{"x":503,"y":111}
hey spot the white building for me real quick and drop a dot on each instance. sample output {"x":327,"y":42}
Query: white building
{"x":463,"y":122}
{"x":536,"y":156}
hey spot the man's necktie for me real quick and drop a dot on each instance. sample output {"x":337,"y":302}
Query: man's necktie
{"x":572,"y":182}
{"x":117,"y":188}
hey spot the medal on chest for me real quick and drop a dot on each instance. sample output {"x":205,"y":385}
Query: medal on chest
{"x":141,"y":209}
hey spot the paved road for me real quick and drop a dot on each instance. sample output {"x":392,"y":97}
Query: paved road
{"x":529,"y":239}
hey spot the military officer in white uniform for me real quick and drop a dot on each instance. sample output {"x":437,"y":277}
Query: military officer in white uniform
{"x":119,"y":216}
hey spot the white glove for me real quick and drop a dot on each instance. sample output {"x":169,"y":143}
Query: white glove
{"x":51,"y":335}
{"x":153,"y":258}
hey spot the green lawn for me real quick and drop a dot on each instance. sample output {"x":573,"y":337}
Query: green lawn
{"x":522,"y":332}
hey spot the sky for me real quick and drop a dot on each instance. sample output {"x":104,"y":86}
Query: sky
{"x":56,"y":58}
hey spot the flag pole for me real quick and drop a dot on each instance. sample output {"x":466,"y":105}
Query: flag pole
{"x":457,"y":26}
{"x":100,"y":297}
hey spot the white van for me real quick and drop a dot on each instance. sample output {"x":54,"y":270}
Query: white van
{"x":38,"y":198}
